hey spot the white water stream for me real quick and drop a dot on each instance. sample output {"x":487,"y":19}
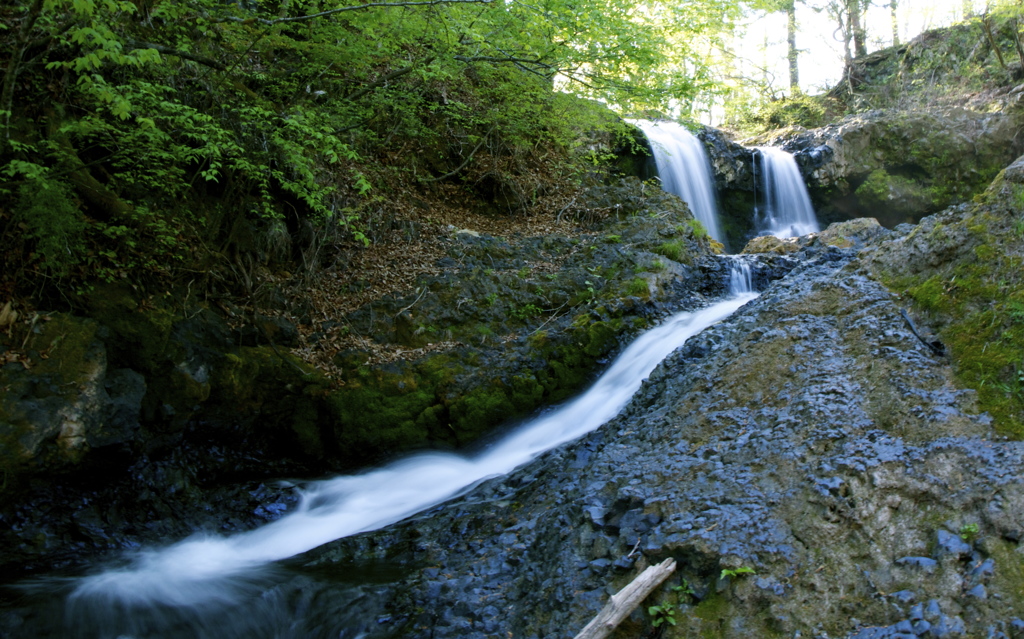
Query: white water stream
{"x":786,"y":209}
{"x":205,"y":570}
{"x":684,"y":170}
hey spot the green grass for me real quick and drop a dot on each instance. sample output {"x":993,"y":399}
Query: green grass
{"x":674,"y":251}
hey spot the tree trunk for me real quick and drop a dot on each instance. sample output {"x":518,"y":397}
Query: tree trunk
{"x":895,"y":23}
{"x":105,"y":204}
{"x":794,"y":70}
{"x":992,"y":42}
{"x":860,"y":45}
{"x":846,"y":29}
{"x":14,"y":67}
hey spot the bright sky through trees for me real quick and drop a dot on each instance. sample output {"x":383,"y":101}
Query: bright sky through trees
{"x":821,"y":54}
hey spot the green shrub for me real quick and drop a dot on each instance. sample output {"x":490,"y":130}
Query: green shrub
{"x":53,"y":222}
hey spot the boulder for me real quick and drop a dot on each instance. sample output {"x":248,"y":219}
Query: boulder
{"x":62,"y":402}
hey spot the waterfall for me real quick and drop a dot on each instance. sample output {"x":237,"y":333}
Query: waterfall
{"x":182,"y":589}
{"x":741,"y":278}
{"x":685,"y":170}
{"x":786,"y":208}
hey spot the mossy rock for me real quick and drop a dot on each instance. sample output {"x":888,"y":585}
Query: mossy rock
{"x":852,"y":233}
{"x":52,"y":410}
{"x":143,"y":333}
{"x":771,"y":244}
{"x":963,"y":269}
{"x":896,"y":198}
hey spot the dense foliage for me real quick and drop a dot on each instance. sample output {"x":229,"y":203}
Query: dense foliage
{"x":141,"y":134}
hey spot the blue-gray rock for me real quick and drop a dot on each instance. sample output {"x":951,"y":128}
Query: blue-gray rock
{"x":925,"y":563}
{"x":949,"y":544}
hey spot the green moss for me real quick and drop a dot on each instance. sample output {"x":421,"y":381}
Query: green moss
{"x":527,"y":393}
{"x":480,"y":408}
{"x":1009,"y":573}
{"x":638,"y":287}
{"x":370,"y":421}
{"x":712,"y":612}
{"x":985,"y":340}
{"x":305,"y":424}
{"x":538,"y":340}
{"x":67,"y":341}
{"x":600,"y":337}
{"x":143,"y":333}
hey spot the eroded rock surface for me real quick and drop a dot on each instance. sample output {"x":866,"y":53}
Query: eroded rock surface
{"x":811,"y":438}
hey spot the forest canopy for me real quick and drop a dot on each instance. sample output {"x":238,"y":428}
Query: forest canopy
{"x":136,"y":135}
{"x":155,"y":122}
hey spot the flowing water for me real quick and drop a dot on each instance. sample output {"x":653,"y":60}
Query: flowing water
{"x":684,"y":170}
{"x":785,"y":210}
{"x":226,"y":586}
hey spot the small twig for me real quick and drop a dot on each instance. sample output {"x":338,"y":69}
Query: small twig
{"x":31,"y":327}
{"x":394,"y":75}
{"x":558,"y":218}
{"x":423,"y":291}
{"x":554,"y":315}
{"x":935,"y":347}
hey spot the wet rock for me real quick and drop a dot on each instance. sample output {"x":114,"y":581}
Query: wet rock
{"x":948,"y":544}
{"x":54,"y":414}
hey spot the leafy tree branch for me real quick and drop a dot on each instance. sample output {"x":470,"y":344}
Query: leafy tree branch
{"x":330,"y":12}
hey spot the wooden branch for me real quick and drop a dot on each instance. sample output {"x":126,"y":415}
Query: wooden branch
{"x":626,"y":600}
{"x":180,"y":54}
{"x":492,"y":58}
{"x":464,"y":162}
{"x":92,"y":190}
{"x":397,"y":73}
{"x":1016,"y":40}
{"x":368,"y":5}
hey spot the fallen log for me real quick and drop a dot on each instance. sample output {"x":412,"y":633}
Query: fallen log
{"x":626,"y":600}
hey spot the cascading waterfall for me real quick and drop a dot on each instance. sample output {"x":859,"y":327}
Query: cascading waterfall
{"x":180,"y":590}
{"x":685,"y":170}
{"x":786,"y":209}
{"x":741,"y":277}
